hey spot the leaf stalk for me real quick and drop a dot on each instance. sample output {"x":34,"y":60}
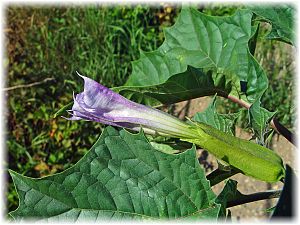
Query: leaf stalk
{"x":243,"y":199}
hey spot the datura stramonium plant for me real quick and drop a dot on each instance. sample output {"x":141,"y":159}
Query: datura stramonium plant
{"x":100,"y":104}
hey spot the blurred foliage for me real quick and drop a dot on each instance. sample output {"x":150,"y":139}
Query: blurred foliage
{"x":219,"y":9}
{"x":100,"y":42}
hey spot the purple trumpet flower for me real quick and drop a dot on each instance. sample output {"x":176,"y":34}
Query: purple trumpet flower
{"x":100,"y":104}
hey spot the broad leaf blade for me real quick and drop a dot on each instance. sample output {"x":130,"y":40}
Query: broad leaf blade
{"x":282,"y":18}
{"x":122,"y":176}
{"x":223,"y":122}
{"x":213,"y":43}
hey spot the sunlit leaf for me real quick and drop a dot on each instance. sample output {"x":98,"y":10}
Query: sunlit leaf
{"x":223,"y":122}
{"x":282,"y":19}
{"x":259,"y":120}
{"x":218,"y":45}
{"x":122,"y":176}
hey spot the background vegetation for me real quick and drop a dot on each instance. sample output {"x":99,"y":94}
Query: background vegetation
{"x":99,"y":42}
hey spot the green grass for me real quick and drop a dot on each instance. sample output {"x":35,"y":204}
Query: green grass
{"x":278,"y":61}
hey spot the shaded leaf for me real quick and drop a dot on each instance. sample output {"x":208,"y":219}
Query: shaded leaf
{"x":228,"y":193}
{"x":189,"y":84}
{"x":122,"y":176}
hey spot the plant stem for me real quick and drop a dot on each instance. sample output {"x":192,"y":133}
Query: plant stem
{"x":283,"y":130}
{"x":243,"y":199}
{"x":239,"y":101}
{"x":218,"y":175}
{"x":28,"y":85}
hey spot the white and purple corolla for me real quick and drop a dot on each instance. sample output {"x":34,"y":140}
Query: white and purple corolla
{"x":100,"y":104}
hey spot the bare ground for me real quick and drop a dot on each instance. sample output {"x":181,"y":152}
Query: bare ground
{"x":246,"y":185}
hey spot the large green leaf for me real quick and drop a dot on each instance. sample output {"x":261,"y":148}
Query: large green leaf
{"x":281,"y":17}
{"x":122,"y":176}
{"x":223,"y":122}
{"x":218,"y":44}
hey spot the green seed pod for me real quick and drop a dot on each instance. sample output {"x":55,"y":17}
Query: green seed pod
{"x":252,"y":159}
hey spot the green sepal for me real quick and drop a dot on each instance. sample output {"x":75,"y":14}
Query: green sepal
{"x":252,"y":159}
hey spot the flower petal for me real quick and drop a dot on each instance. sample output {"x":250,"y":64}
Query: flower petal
{"x":100,"y":104}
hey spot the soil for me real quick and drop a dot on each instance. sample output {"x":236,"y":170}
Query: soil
{"x":246,"y":185}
